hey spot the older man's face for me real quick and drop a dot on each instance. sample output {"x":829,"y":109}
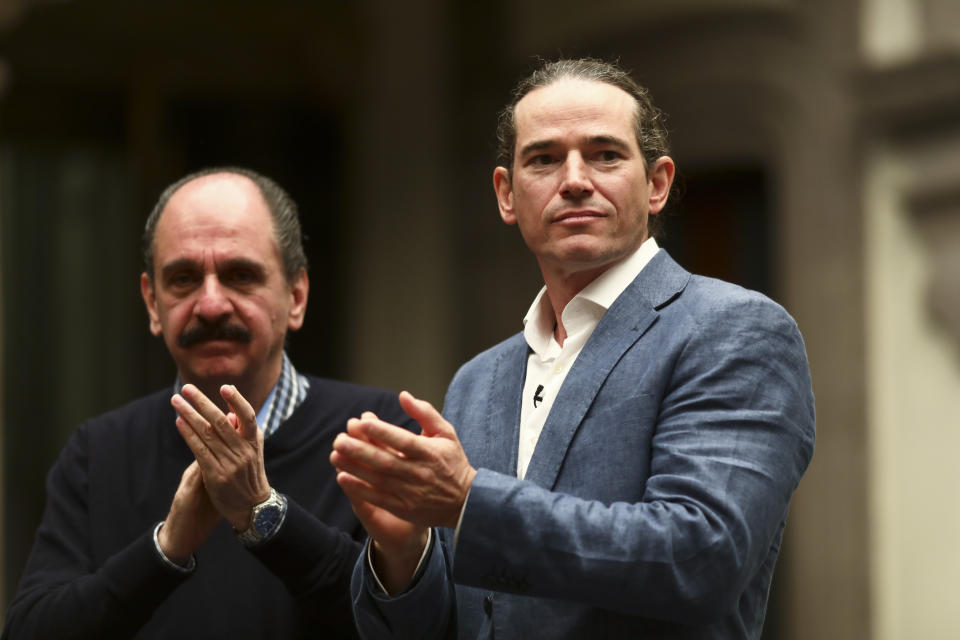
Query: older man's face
{"x":219,"y":296}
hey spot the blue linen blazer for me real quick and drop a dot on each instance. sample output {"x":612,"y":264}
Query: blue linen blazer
{"x":657,"y":495}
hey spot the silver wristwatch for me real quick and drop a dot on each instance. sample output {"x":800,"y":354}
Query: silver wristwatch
{"x":265,"y":519}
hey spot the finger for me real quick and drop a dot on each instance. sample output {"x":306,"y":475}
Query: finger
{"x":192,"y":480}
{"x":208,"y":413}
{"x":355,"y":428}
{"x":203,"y":454}
{"x":246,"y":416}
{"x":211,"y":436}
{"x":431,"y":422}
{"x":359,"y":493}
{"x":377,"y":466}
{"x":198,"y":438}
{"x":397,"y":440}
{"x":363,"y":458}
{"x":191,"y":475}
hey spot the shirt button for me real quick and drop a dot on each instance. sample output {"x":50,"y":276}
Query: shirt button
{"x":558,"y":368}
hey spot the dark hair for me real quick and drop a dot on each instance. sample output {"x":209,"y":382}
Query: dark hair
{"x":649,"y":125}
{"x":283,"y":210}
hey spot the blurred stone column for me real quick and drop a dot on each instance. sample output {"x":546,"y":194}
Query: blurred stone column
{"x":820,"y":247}
{"x":935,"y":209}
{"x":400,"y":154}
{"x":911,"y":139}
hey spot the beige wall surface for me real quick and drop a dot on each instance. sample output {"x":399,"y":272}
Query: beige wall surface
{"x":914,"y":383}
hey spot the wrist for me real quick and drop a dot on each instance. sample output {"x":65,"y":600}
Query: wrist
{"x":242,"y":519}
{"x":396,"y":566}
{"x":182,"y":563}
{"x":264,"y":520}
{"x":452,"y":520}
{"x":167,"y":546}
{"x":411,"y":547}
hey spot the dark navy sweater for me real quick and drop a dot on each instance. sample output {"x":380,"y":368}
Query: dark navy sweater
{"x":94,"y":571}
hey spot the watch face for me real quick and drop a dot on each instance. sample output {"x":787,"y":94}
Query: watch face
{"x":267,"y":519}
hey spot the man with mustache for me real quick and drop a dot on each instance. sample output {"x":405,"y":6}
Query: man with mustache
{"x":207,"y":510}
{"x":620,"y":469}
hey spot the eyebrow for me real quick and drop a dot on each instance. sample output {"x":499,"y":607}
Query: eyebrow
{"x":612,"y":141}
{"x":182,"y":264}
{"x":242,"y":263}
{"x":540,"y":145}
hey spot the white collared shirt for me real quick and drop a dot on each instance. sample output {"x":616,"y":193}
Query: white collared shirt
{"x":549,"y":363}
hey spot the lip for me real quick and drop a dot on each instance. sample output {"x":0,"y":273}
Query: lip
{"x":578,"y":216}
{"x":215,"y":347}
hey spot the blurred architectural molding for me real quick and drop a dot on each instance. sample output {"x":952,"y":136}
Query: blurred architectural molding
{"x":913,"y":99}
{"x":915,"y":106}
{"x":935,"y":208}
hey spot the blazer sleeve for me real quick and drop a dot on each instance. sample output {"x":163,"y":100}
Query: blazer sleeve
{"x":732,"y":433}
{"x":62,"y":594}
{"x":426,"y":610}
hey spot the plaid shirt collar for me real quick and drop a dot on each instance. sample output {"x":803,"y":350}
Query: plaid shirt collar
{"x":287,"y":394}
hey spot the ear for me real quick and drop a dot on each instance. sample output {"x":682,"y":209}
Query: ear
{"x":504,"y":190}
{"x":298,"y":307}
{"x":660,"y":179}
{"x":150,"y":300}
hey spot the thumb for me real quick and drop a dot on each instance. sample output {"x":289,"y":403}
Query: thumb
{"x":430,"y":420}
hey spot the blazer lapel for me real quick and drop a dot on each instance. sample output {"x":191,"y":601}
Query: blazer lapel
{"x":625,"y":322}
{"x":499,"y":429}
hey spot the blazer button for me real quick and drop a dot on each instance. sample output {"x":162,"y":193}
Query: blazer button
{"x":488,"y":605}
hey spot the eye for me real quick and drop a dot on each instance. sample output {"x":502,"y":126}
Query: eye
{"x":608,"y":155}
{"x":242,"y":276}
{"x":541,"y":160}
{"x":181,"y":280}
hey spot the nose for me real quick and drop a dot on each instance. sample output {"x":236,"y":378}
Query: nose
{"x":212,"y":303}
{"x":576,"y":180}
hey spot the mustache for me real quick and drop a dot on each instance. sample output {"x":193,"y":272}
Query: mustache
{"x":207,"y":332}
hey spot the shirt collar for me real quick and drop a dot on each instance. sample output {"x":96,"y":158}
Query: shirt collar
{"x":287,"y":393}
{"x":586,"y":308}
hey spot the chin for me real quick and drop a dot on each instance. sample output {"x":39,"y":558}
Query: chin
{"x":589,"y":252}
{"x":216,"y":371}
